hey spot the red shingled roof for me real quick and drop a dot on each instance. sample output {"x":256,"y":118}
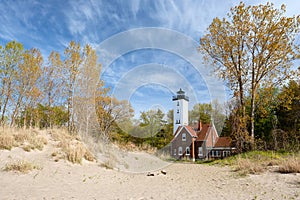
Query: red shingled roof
{"x":188,"y":128}
{"x":223,"y":142}
{"x":191,"y":130}
{"x":203,"y":132}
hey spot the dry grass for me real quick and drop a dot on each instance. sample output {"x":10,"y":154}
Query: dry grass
{"x":71,"y":147}
{"x":21,"y":166}
{"x":75,"y":153}
{"x":26,"y":139}
{"x":247,"y":166}
{"x":6,"y":141}
{"x":291,"y":165}
{"x":256,"y":162}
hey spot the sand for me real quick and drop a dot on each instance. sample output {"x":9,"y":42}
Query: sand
{"x":64,"y":180}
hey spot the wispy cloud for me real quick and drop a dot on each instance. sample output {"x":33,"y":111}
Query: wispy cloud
{"x":50,"y":25}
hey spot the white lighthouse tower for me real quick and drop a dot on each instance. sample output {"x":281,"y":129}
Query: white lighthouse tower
{"x":181,"y":110}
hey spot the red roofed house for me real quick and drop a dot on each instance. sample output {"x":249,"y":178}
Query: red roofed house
{"x":200,"y":142}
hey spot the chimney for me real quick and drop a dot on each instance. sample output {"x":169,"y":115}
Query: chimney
{"x":200,"y":125}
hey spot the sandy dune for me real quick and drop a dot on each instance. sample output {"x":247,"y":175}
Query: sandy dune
{"x":63,"y":180}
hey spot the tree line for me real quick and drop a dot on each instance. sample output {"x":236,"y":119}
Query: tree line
{"x":252,"y":50}
{"x":59,"y":91}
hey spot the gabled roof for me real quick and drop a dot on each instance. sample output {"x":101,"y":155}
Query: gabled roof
{"x":189,"y":129}
{"x":223,"y":142}
{"x":203,"y":132}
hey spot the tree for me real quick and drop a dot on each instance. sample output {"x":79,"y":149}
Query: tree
{"x":11,"y":57}
{"x":288,"y":115}
{"x":201,"y":112}
{"x":52,"y":82}
{"x":27,"y":91}
{"x":255,"y":45}
{"x":110,"y":112}
{"x":152,"y":123}
{"x":72,"y":63}
{"x":86,"y":87}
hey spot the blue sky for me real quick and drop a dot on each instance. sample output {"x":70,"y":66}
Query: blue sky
{"x":147,"y":48}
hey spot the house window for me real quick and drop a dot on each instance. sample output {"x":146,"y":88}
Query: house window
{"x":187,"y":151}
{"x":174,"y":152}
{"x":180,"y":151}
{"x":200,"y":151}
{"x":183,"y":137}
{"x":217,"y":153}
{"x":226,"y":153}
{"x":212,"y":154}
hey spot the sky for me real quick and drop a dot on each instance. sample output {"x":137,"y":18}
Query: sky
{"x":148,"y":48}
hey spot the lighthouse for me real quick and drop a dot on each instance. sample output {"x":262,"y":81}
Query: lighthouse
{"x":181,"y":110}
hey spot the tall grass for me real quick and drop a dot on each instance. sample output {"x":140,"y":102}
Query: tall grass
{"x":26,"y":139}
{"x":71,"y":147}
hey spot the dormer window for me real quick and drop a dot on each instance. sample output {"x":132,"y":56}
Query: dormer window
{"x":183,"y":137}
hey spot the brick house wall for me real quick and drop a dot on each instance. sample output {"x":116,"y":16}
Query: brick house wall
{"x":178,"y":142}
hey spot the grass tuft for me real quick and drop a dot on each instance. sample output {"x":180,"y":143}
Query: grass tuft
{"x":21,"y":166}
{"x":247,"y":166}
{"x":6,"y":141}
{"x":71,"y":147}
{"x":75,"y":153}
{"x":291,"y":165}
{"x":26,"y":139}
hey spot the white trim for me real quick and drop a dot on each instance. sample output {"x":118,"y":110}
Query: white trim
{"x":180,"y":151}
{"x":200,"y":149}
{"x":177,"y":132}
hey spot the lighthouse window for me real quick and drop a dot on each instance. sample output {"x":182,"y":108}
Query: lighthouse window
{"x":177,"y":103}
{"x":177,"y":110}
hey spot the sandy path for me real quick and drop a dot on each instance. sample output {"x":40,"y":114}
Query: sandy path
{"x":63,"y":180}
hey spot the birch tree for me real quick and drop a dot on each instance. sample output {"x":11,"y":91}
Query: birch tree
{"x":27,"y":90}
{"x":86,"y":87}
{"x":72,"y":63}
{"x":11,"y":56}
{"x":254,"y":45}
{"x":52,"y":83}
